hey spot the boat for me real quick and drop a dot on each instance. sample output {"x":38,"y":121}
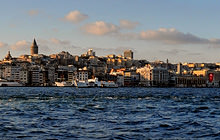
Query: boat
{"x":63,"y":84}
{"x":109,"y":84}
{"x":81,"y":84}
{"x":10,"y":84}
{"x":94,"y":83}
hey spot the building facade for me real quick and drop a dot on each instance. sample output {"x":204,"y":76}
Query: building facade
{"x":129,"y":54}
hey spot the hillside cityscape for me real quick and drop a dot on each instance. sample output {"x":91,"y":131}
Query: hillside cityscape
{"x":123,"y":70}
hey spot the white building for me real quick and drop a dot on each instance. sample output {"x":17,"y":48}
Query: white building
{"x":82,"y":75}
{"x":153,"y":76}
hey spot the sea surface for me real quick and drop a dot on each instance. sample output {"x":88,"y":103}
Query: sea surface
{"x":109,"y":113}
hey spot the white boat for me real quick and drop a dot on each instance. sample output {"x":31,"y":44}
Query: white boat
{"x":94,"y":83}
{"x":81,"y":84}
{"x":63,"y":84}
{"x":109,"y":84}
{"x":10,"y":84}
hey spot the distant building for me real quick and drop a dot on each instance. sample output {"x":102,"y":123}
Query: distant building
{"x":11,"y":72}
{"x":153,"y":76}
{"x":24,"y":76}
{"x":8,"y":56}
{"x":35,"y":75}
{"x":129,"y":54}
{"x":90,"y":52}
{"x":213,"y":78}
{"x":179,"y":69}
{"x":82,"y":75}
{"x":34,"y":48}
{"x":202,"y":72}
{"x":131,"y":78}
{"x":190,"y":81}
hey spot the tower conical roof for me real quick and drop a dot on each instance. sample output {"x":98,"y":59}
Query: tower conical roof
{"x":34,"y":48}
{"x":34,"y":42}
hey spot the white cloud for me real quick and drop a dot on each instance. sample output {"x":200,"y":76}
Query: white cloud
{"x":33,"y":12}
{"x":100,"y":28}
{"x":75,"y":17}
{"x":2,"y":45}
{"x":173,"y":36}
{"x":22,"y":45}
{"x":59,"y":42}
{"x":128,"y":24}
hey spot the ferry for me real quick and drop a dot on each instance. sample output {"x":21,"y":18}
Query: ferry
{"x":10,"y":84}
{"x":109,"y":84}
{"x":94,"y":82}
{"x":5,"y":83}
{"x":81,"y":84}
{"x":63,"y":84}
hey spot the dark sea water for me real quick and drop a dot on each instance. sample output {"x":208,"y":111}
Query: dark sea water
{"x":102,"y":113}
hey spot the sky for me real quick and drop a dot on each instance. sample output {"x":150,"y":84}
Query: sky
{"x":181,"y":31}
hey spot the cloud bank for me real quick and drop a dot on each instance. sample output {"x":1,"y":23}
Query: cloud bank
{"x":21,"y":45}
{"x":2,"y":45}
{"x":164,"y":35}
{"x":173,"y":36}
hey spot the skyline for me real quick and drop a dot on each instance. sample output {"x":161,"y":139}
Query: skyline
{"x":181,"y":31}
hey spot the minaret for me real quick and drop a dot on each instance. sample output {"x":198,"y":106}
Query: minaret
{"x":34,"y":48}
{"x":8,"y":56}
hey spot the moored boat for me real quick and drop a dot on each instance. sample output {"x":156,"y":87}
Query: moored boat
{"x":10,"y":84}
{"x":109,"y":84}
{"x":63,"y":84}
{"x":81,"y":84}
{"x":94,"y":83}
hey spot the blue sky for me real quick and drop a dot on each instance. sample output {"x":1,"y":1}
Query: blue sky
{"x":182,"y":31}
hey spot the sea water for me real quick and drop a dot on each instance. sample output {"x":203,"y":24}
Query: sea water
{"x":109,"y":113}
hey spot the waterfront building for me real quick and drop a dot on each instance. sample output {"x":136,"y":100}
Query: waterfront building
{"x":179,"y":69}
{"x":190,"y":81}
{"x":213,"y":78}
{"x":11,"y":72}
{"x":24,"y":76}
{"x":1,"y":71}
{"x":51,"y":74}
{"x":153,"y":76}
{"x":61,"y":73}
{"x":131,"y":78}
{"x":35,"y":75}
{"x":120,"y":80}
{"x":72,"y":73}
{"x":144,"y":75}
{"x":82,"y":75}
